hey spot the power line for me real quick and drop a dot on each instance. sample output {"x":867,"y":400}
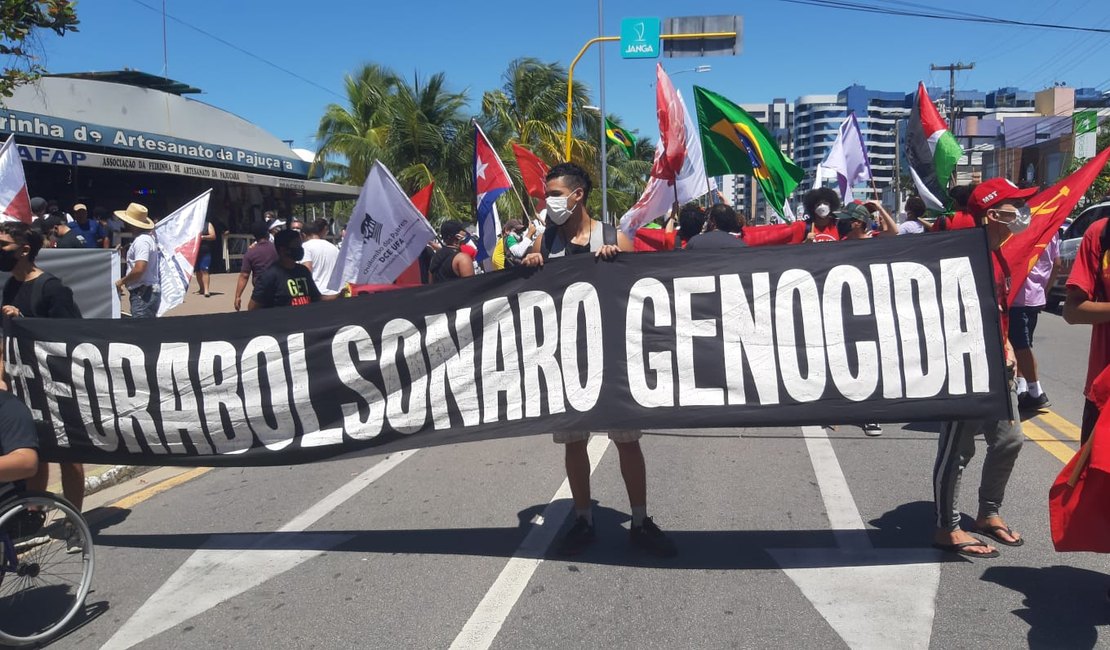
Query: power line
{"x":239,"y":49}
{"x":952,"y":16}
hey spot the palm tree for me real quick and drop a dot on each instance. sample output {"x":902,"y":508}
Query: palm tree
{"x":530,"y":109}
{"x":352,"y":137}
{"x":627,"y":175}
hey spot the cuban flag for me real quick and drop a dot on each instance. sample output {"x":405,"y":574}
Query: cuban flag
{"x":490,"y":181}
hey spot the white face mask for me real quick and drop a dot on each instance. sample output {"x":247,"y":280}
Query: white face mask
{"x":557,"y":209}
{"x":1020,"y":222}
{"x":822,"y":210}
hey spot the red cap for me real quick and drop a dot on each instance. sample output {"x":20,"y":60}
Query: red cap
{"x":994,"y":192}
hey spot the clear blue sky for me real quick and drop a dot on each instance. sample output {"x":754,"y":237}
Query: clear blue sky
{"x":788,"y":50}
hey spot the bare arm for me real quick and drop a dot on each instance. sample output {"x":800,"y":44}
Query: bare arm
{"x":18,"y":465}
{"x":239,"y":287}
{"x":1080,"y":310}
{"x":463,"y":265}
{"x":136,"y":273}
{"x":887,"y":226}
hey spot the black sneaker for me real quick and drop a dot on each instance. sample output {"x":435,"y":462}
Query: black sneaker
{"x":1027,"y":402}
{"x":872,"y":430}
{"x":651,"y":539}
{"x":580,"y":535}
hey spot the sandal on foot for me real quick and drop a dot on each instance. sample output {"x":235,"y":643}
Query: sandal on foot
{"x":992,"y":532}
{"x":961,"y":549}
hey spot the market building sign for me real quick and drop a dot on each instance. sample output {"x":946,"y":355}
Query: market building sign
{"x":34,"y":125}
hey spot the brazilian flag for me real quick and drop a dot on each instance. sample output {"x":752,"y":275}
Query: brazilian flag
{"x":733,"y":142}
{"x":620,"y":137}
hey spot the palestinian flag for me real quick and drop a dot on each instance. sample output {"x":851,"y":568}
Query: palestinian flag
{"x":620,"y":137}
{"x":932,"y":152}
{"x":736,"y":143}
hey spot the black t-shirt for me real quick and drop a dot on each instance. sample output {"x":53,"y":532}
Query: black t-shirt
{"x":43,"y":297}
{"x":205,"y":247}
{"x":282,"y":287}
{"x":17,"y":429}
{"x":714,"y":239}
{"x":441,"y":267}
{"x":72,"y":239}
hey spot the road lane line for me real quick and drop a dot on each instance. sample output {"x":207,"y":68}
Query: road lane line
{"x":130,"y":501}
{"x":844,"y":516}
{"x":1060,"y":424}
{"x":223,"y":568}
{"x":483,"y":625}
{"x":1047,"y":441}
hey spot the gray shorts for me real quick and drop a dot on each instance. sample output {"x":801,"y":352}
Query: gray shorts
{"x":617,"y":435}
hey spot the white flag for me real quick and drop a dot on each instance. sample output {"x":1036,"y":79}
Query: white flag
{"x":178,"y":237}
{"x":847,"y":158}
{"x":14,"y":201}
{"x":384,"y":235}
{"x":660,"y":194}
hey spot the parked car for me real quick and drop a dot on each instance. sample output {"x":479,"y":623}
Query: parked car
{"x":1070,"y":237}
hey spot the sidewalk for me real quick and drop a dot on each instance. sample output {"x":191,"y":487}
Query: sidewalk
{"x":99,"y":477}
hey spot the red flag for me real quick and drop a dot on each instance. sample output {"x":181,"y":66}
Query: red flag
{"x":410,"y":276}
{"x":653,"y":239}
{"x":533,"y":172}
{"x":423,"y":198}
{"x":1049,"y":208}
{"x":775,"y":234}
{"x":14,"y":200}
{"x":672,"y":127}
{"x":1077,"y":500}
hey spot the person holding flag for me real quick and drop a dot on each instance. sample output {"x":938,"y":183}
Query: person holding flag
{"x":143,"y":279}
{"x":575,"y":232}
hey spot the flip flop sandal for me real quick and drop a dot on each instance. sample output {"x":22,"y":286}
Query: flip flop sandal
{"x":992,"y":532}
{"x":961,"y":549}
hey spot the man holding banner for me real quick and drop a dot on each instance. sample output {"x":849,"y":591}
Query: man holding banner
{"x":1002,"y":205}
{"x":576,"y":232}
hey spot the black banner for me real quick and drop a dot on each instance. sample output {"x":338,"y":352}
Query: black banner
{"x":890,"y":330}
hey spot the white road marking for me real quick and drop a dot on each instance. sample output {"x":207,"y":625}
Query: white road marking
{"x":215,"y":574}
{"x":872,"y":598}
{"x":486,"y":621}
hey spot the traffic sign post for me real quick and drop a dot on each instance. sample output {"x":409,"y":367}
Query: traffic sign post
{"x":640,"y":38}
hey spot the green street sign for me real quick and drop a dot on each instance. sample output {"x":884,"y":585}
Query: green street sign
{"x":640,"y":38}
{"x":1085,"y":122}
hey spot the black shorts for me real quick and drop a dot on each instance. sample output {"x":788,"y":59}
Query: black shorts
{"x":1023,"y":321}
{"x":1090,"y":416}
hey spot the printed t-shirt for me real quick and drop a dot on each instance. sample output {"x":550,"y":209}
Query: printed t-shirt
{"x":282,"y":287}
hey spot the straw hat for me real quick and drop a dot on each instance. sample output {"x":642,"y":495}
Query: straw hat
{"x":136,"y":215}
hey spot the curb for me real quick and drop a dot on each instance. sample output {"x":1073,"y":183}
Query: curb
{"x":114,"y":476}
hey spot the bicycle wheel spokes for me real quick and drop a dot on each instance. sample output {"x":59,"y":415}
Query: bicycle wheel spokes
{"x":48,"y":583}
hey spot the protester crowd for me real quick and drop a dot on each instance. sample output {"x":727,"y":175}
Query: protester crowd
{"x":290,"y":264}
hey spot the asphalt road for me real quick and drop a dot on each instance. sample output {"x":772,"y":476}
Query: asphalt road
{"x":447,"y":546}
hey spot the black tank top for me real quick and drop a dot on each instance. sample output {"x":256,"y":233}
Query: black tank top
{"x":441,"y":265}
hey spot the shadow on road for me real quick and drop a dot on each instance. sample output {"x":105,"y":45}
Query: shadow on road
{"x":1064,"y":606}
{"x":698,"y":549}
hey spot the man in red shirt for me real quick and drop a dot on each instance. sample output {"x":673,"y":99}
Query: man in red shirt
{"x":998,"y":204}
{"x":1088,"y":303}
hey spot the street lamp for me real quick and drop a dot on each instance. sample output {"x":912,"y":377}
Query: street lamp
{"x":698,"y":69}
{"x":604,"y":162}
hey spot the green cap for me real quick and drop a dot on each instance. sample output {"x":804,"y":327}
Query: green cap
{"x":855,"y":211}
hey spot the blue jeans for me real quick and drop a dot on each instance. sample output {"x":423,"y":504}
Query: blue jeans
{"x":145,"y":301}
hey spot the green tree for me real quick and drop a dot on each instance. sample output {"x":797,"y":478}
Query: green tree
{"x":351,"y":137}
{"x":19,"y":20}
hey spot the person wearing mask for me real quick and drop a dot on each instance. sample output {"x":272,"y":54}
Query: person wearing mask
{"x":320,"y":256}
{"x":821,"y":205}
{"x":143,"y":278}
{"x":511,"y":235}
{"x":31,"y":292}
{"x":257,"y":259}
{"x":450,"y":262}
{"x":575,"y":232}
{"x":57,"y":229}
{"x":722,"y":230}
{"x":286,"y":283}
{"x":1000,"y":206}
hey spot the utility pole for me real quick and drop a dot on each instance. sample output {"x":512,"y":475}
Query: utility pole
{"x":952,"y":69}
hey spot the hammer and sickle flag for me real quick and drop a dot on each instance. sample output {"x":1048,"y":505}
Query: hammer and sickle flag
{"x":1049,"y":208}
{"x":736,"y":143}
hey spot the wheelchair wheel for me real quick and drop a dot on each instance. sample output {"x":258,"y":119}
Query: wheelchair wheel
{"x":46,"y":567}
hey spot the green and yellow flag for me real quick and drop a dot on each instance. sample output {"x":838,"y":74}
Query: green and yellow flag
{"x":620,"y":137}
{"x":733,"y":142}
